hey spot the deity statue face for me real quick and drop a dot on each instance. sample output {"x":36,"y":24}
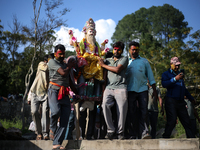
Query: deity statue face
{"x":90,"y":36}
{"x":91,"y":32}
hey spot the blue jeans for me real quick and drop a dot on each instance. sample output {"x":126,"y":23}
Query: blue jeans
{"x":70,"y":127}
{"x":59,"y":108}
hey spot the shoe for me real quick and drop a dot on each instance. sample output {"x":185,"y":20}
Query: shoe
{"x":120,"y":136}
{"x":59,"y":148}
{"x":46,"y":138}
{"x":39,"y":137}
{"x":110,"y":135}
{"x":146,"y":136}
{"x":132,"y":137}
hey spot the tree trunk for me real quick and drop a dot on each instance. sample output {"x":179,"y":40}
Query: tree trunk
{"x":30,"y":71}
{"x":27,"y":84}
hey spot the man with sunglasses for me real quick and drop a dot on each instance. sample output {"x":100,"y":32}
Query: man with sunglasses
{"x":137,"y":73}
{"x":175,"y":106}
{"x":115,"y":91}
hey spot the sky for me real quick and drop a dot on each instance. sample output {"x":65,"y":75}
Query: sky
{"x":105,"y":13}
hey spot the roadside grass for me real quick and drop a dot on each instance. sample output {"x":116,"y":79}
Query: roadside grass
{"x":16,"y":122}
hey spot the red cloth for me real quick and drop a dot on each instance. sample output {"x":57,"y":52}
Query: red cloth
{"x":62,"y":92}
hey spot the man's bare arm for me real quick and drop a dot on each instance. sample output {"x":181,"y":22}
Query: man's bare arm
{"x":117,"y":69}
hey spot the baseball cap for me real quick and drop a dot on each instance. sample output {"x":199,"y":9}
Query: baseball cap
{"x":175,"y":61}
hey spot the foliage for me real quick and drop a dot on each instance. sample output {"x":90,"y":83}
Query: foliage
{"x":69,"y":53}
{"x":180,"y":130}
{"x":17,"y":123}
{"x":161,"y":121}
{"x":164,"y":23}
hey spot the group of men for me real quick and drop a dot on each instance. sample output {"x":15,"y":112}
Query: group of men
{"x":124,"y":86}
{"x":131,"y":76}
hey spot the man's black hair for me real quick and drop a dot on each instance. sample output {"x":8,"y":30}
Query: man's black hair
{"x":109,"y":54}
{"x":51,"y":56}
{"x":133,"y":43}
{"x":119,"y":44}
{"x":46,"y":58}
{"x":59,"y":46}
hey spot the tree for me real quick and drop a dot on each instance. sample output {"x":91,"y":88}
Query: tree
{"x":168,"y":23}
{"x":151,"y":50}
{"x":3,"y":64}
{"x":3,"y":56}
{"x":191,"y":63}
{"x":195,"y":42}
{"x":42,"y":32}
{"x":13,"y":39}
{"x":69,"y":53}
{"x":126,"y":31}
{"x":162,"y":22}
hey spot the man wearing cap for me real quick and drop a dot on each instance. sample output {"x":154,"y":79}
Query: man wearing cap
{"x":175,"y":106}
{"x":137,"y":73}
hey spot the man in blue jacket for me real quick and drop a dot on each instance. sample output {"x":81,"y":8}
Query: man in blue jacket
{"x":175,"y":106}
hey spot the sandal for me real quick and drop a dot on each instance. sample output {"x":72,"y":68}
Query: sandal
{"x":58,"y":148}
{"x":51,"y":135}
{"x":39,"y":137}
{"x":45,"y":137}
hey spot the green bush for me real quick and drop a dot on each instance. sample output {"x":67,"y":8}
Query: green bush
{"x":17,"y":123}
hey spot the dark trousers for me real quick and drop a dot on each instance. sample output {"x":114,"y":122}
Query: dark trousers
{"x":137,"y":110}
{"x":176,"y":108}
{"x":193,"y":125}
{"x":152,"y":121}
{"x":103,"y":126}
{"x":91,"y":122}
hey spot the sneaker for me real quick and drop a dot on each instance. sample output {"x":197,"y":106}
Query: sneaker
{"x":120,"y":136}
{"x":146,"y":136}
{"x":110,"y":135}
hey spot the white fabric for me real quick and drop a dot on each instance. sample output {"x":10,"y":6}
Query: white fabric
{"x":40,"y":84}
